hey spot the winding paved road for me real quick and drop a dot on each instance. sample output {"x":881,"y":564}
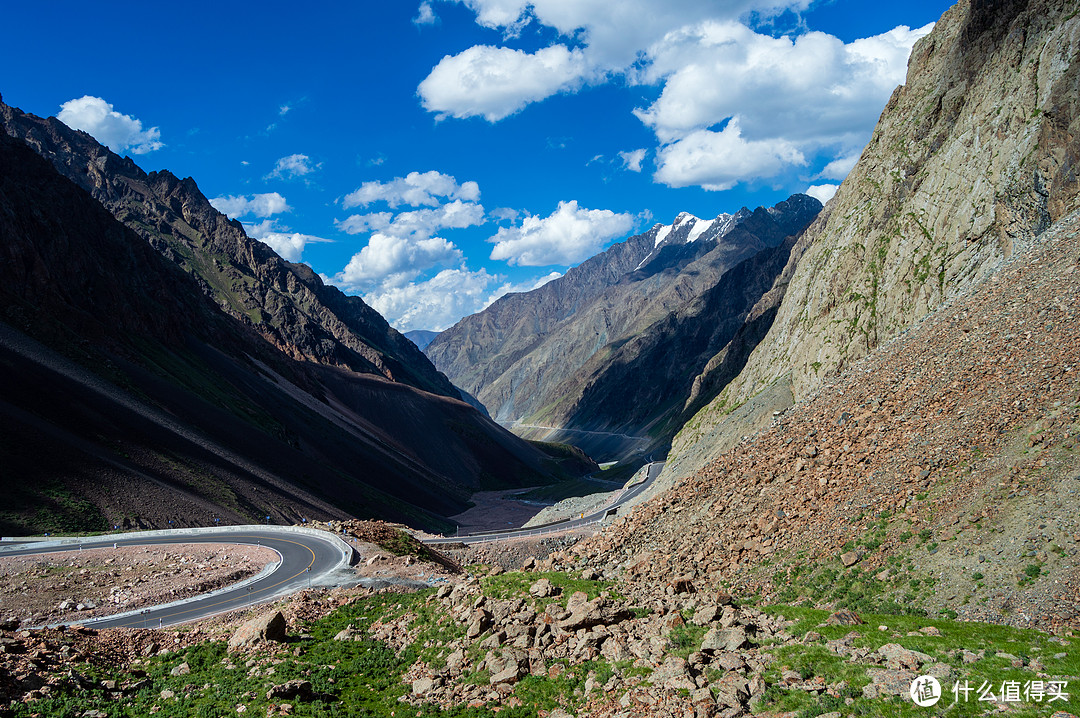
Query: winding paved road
{"x":308,"y":557}
{"x":564,"y":525}
{"x":305,"y":557}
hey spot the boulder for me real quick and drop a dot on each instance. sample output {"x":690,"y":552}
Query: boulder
{"x":884,"y":681}
{"x":897,"y":657}
{"x":732,"y":691}
{"x":596,"y":612}
{"x":347,"y":634}
{"x":724,"y":639}
{"x":844,"y":617}
{"x":292,"y":690}
{"x":267,"y":627}
{"x":543,"y":589}
{"x":705,"y":615}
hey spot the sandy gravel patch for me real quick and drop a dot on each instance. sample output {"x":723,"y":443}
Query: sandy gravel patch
{"x":73,"y":585}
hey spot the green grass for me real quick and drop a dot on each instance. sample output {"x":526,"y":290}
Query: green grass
{"x":515,"y":584}
{"x":365,"y":677}
{"x":815,"y":659}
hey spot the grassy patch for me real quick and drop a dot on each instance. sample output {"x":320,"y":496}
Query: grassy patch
{"x":364,"y":678}
{"x":515,"y":584}
{"x":1000,"y":646}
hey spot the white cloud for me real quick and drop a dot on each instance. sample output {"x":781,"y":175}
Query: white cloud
{"x":811,"y":88}
{"x":417,"y":223}
{"x":434,"y":303}
{"x":568,"y":235}
{"x":360,"y":223}
{"x":260,"y":205}
{"x":615,"y":32}
{"x":526,"y":286}
{"x":425,"y":15}
{"x":800,"y":97}
{"x":495,"y":82}
{"x":441,"y":300}
{"x":293,"y":166}
{"x":838,"y":169}
{"x":508,"y":214}
{"x":719,"y":160}
{"x":632,"y":160}
{"x":289,"y":245}
{"x":822,"y":192}
{"x":389,"y":261}
{"x":415,"y":190}
{"x":118,"y":132}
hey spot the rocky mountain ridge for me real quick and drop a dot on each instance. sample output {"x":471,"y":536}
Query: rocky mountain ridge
{"x":130,"y":397}
{"x":973,"y":157}
{"x":531,"y":357}
{"x":287,"y":303}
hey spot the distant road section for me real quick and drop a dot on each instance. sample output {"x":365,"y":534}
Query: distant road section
{"x":611,"y":509}
{"x":308,"y":558}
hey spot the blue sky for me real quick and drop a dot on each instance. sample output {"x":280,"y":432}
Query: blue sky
{"x":430,"y":156}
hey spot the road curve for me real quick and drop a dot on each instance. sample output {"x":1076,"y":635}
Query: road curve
{"x":483,"y":537}
{"x":306,"y":559}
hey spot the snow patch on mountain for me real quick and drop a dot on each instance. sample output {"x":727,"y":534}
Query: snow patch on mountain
{"x":699,"y":228}
{"x":662,"y":234}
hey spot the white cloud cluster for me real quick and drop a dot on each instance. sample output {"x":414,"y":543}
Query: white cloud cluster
{"x":118,"y":132}
{"x":260,"y":205}
{"x":438,"y":302}
{"x":838,"y":169}
{"x":435,"y":303}
{"x":822,"y":192}
{"x":566,"y":236}
{"x":787,"y":98}
{"x":402,"y":246}
{"x":289,"y":245}
{"x":494,"y":82}
{"x":425,"y":15}
{"x":416,"y":189}
{"x":719,"y":160}
{"x":390,"y":262}
{"x":782,"y":102}
{"x":293,"y":166}
{"x":420,"y":222}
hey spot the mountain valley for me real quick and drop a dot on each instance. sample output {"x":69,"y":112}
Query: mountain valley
{"x":868,"y":414}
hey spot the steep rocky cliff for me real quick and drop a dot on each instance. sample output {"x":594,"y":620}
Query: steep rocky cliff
{"x":972,"y":158}
{"x":287,"y":303}
{"x":650,"y":311}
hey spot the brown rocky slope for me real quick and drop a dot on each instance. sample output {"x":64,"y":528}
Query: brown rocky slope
{"x":948,"y":456}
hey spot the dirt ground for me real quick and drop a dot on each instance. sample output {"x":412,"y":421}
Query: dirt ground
{"x":73,"y":585}
{"x":497,"y":510}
